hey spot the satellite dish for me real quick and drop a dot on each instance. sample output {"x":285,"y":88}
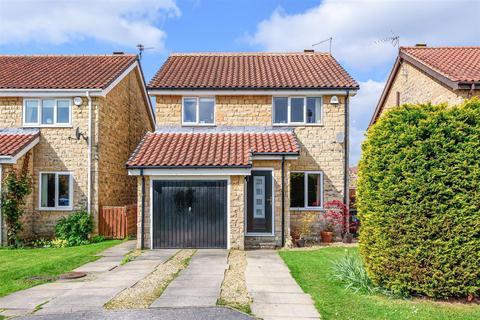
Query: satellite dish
{"x":340,"y":137}
{"x":334,"y":100}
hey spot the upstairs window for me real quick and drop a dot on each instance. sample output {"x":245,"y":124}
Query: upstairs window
{"x":47,"y":112}
{"x":306,"y":190}
{"x":297,"y":110}
{"x":198,"y":111}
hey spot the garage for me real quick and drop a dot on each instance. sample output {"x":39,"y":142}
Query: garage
{"x":189,"y":213}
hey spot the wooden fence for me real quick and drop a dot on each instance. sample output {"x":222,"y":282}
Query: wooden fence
{"x":118,"y":222}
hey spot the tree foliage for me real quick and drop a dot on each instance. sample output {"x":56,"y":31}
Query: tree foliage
{"x":419,"y":200}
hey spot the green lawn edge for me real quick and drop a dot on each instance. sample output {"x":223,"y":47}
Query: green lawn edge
{"x":312,"y":271}
{"x":17,"y":265}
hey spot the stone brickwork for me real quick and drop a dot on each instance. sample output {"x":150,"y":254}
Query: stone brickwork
{"x":415,"y":86}
{"x":123,"y":120}
{"x":237,"y":218}
{"x":319,"y":151}
{"x":146,"y":225}
{"x":119,"y":120}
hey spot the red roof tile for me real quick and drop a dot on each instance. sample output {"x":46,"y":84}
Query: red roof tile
{"x":62,"y":71}
{"x":208,"y":149}
{"x":459,"y":64}
{"x":306,"y":70}
{"x":12,"y":141}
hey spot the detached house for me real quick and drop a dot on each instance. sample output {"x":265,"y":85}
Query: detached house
{"x":424,"y":74}
{"x":245,"y":145}
{"x":72,"y":122}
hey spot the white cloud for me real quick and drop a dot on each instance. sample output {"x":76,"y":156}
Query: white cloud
{"x":361,"y":110}
{"x":123,"y":22}
{"x":356,"y":25}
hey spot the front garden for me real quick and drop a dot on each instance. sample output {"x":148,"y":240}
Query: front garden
{"x":313,"y":270}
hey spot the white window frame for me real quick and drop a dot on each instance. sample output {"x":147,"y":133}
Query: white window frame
{"x":70,"y":189}
{"x":305,"y":192}
{"x":289,"y":113}
{"x":39,"y":123}
{"x":197,"y":113}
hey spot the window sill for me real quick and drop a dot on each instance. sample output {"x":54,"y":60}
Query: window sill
{"x":56,"y":209}
{"x":298,"y":125}
{"x":308,"y":209}
{"x":198,"y":125}
{"x":47,"y":125}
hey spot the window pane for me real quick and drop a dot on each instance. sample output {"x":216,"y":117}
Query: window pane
{"x":63,"y":190}
{"x":190,"y":110}
{"x":280,"y":110}
{"x":314,"y":110}
{"x":63,"y":111}
{"x":296,"y":110}
{"x":314,"y":190}
{"x":31,"y":111}
{"x":206,"y":110}
{"x":47,"y":111}
{"x":297,"y":190}
{"x":48,"y":190}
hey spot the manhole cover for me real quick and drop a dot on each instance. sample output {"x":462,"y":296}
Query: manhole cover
{"x":72,"y":275}
{"x":41,"y":278}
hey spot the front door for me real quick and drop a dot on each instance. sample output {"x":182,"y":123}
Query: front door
{"x":259,"y":202}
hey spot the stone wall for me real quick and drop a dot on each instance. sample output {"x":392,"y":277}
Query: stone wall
{"x":319,"y":151}
{"x":123,"y":120}
{"x":415,"y":86}
{"x":146,"y":223}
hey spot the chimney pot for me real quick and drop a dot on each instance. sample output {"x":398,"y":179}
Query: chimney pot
{"x":421,"y":45}
{"x":309,"y":50}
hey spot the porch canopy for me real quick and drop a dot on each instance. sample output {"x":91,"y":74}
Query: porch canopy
{"x":228,"y":149}
{"x":14,"y":143}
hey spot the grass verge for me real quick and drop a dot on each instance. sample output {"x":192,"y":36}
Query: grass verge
{"x":313,"y":272}
{"x":18,"y":265}
{"x":145,"y":291}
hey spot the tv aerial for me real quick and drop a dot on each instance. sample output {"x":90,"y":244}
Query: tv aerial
{"x":329,"y":40}
{"x":394,"y":40}
{"x":142,"y":48}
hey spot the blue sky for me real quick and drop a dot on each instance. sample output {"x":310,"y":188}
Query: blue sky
{"x":357,"y":28}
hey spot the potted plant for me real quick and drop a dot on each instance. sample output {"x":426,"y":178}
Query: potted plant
{"x":335,"y":218}
{"x":295,"y":234}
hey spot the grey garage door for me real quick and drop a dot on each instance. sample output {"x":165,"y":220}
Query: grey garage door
{"x":189,"y":214}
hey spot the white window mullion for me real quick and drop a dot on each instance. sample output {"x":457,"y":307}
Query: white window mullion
{"x":197,"y":118}
{"x":304,"y":110}
{"x":40,"y":110}
{"x":289,"y":111}
{"x":305,"y":190}
{"x":55,"y":112}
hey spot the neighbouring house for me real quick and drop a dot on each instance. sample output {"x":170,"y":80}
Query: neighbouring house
{"x":424,"y":74}
{"x":72,"y":121}
{"x":246,"y":145}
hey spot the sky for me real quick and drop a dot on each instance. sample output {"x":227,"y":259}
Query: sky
{"x":360,"y":30}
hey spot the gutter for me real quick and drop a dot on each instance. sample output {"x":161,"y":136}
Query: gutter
{"x":283,"y":201}
{"x":89,"y":161}
{"x":345,"y":178}
{"x":1,"y":215}
{"x":142,"y":228}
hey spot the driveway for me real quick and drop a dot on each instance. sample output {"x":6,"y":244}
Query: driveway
{"x":163,"y":313}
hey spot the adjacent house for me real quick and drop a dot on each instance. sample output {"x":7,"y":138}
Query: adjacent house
{"x":431,"y":74}
{"x":246,"y":145}
{"x":71,"y":122}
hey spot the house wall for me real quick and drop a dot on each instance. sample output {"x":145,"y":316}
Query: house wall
{"x":58,"y":150}
{"x":123,"y":120}
{"x":319,"y":151}
{"x":415,"y":86}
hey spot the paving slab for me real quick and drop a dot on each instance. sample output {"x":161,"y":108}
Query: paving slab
{"x":199,"y":284}
{"x":275,"y":294}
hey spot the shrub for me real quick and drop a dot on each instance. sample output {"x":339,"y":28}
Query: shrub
{"x":75,"y":228}
{"x":97,"y":238}
{"x":350,"y":271}
{"x":419,"y":200}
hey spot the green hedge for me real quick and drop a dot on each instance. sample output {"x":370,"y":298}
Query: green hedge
{"x":419,"y":200}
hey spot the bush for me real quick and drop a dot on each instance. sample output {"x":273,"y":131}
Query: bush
{"x":75,"y":228}
{"x":419,"y":200}
{"x":350,"y":271}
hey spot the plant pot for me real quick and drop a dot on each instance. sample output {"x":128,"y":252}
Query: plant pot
{"x":327,"y":236}
{"x":300,"y":243}
{"x":347,"y":238}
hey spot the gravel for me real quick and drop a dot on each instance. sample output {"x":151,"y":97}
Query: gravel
{"x":144,"y":292}
{"x":234,"y":289}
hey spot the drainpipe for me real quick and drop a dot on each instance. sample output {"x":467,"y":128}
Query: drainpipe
{"x":142,"y":231}
{"x":1,"y":216}
{"x":283,"y":201}
{"x":345,"y":178}
{"x":89,"y":161}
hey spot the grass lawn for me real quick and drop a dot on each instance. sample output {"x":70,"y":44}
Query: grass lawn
{"x":312,"y":271}
{"x":18,"y":264}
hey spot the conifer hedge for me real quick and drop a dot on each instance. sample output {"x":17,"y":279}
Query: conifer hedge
{"x":419,"y":200}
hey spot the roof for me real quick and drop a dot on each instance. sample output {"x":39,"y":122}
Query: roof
{"x":62,"y":71}
{"x":298,"y":70}
{"x":458,"y":64}
{"x":456,"y":67}
{"x":225,"y":147}
{"x":14,"y":141}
